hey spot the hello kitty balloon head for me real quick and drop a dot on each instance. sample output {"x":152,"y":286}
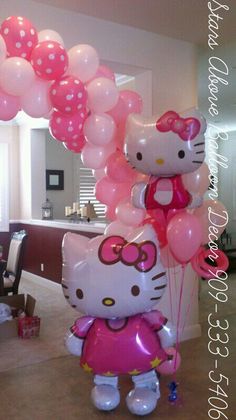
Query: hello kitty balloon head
{"x":168,"y":145}
{"x":113,"y":276}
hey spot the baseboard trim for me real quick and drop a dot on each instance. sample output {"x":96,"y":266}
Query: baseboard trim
{"x":52,"y":285}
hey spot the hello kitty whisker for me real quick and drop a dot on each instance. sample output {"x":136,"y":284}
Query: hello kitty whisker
{"x":163,"y":273}
{"x":201,"y":151}
{"x":156,"y":298}
{"x":160,"y":287}
{"x":67,"y":297}
{"x":198,"y":144}
{"x":197,"y":161}
{"x":64,"y":286}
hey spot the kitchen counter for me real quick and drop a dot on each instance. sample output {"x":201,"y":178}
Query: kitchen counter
{"x":82,"y":226}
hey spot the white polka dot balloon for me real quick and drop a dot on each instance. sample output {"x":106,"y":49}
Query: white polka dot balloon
{"x":67,"y":128}
{"x":20,"y":36}
{"x":68,"y":95}
{"x":49,"y":60}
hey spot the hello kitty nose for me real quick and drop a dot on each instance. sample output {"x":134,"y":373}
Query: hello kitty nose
{"x":160,"y":161}
{"x":108,"y":301}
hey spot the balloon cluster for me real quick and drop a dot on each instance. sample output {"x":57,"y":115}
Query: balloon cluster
{"x":88,"y":114}
{"x":79,"y":97}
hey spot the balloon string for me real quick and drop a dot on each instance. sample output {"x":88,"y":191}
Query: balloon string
{"x":183,"y":266}
{"x":194,"y":289}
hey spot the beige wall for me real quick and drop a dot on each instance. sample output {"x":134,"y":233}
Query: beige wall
{"x":9,"y":134}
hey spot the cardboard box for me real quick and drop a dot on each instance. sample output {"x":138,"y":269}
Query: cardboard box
{"x":9,"y":329}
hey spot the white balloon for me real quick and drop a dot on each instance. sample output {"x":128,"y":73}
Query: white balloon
{"x":16,"y":76}
{"x":50,"y":35}
{"x":35,"y":102}
{"x":83,"y":62}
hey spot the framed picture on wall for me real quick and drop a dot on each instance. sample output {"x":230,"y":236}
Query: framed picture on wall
{"x":54,"y":179}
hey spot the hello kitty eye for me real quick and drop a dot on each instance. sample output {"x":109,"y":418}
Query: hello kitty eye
{"x":79,"y":294}
{"x":181,"y":154}
{"x":135,"y":290}
{"x":139,"y":156}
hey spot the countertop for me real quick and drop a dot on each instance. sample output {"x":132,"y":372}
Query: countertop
{"x":93,"y":226}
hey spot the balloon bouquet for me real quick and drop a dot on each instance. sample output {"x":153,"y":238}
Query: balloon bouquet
{"x":150,"y":175}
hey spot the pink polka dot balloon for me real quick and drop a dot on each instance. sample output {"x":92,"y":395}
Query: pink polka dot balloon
{"x":49,"y":60}
{"x":19,"y":35}
{"x":68,"y":95}
{"x":67,"y":128}
{"x":75,"y":146}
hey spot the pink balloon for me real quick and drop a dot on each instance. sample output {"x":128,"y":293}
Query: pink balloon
{"x":129,"y":102}
{"x":197,"y":181}
{"x":20,"y":36}
{"x":212,"y":213}
{"x":102,"y":94}
{"x":50,"y":35}
{"x":167,"y":258}
{"x":118,"y":169}
{"x":68,"y":95}
{"x":75,"y":146}
{"x":99,"y":129}
{"x":118,"y":228}
{"x":110,"y":213}
{"x":184,"y":234}
{"x":3,"y":49}
{"x":110,"y":193}
{"x":67,"y":128}
{"x":49,"y":60}
{"x":104,"y":71}
{"x":9,"y":106}
{"x":169,"y":367}
{"x":95,"y":157}
{"x":129,"y":215}
{"x":35,"y":102}
{"x":16,"y":76}
{"x":83,"y":62}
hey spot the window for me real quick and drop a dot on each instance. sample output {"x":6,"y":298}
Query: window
{"x":86,"y":190}
{"x":4,"y":188}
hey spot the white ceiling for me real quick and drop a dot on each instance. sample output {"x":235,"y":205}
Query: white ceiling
{"x":181,"y":19}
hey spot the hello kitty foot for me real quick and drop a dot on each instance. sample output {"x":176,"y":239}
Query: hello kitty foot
{"x":141,"y":401}
{"x":105,"y":397}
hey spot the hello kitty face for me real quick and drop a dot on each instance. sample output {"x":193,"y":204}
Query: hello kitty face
{"x":113,"y":276}
{"x":166,"y":146}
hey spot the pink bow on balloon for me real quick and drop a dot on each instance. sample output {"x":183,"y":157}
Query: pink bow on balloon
{"x":142,"y":255}
{"x":186,"y":128}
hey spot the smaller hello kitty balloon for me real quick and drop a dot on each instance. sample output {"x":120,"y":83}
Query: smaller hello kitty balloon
{"x":115,"y":282}
{"x":165,"y":148}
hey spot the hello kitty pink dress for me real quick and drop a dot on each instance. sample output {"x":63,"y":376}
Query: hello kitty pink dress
{"x":166,"y":194}
{"x":121,"y":346}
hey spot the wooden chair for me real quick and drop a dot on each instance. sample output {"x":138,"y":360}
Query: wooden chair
{"x":10,"y":270}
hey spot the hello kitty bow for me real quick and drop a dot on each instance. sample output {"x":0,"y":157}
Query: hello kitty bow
{"x":186,"y":128}
{"x":142,"y":255}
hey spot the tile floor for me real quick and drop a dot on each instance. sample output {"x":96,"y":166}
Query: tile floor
{"x":55,"y":388}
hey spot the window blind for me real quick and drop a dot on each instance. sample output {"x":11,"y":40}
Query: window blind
{"x":4,"y":188}
{"x":86,"y":191}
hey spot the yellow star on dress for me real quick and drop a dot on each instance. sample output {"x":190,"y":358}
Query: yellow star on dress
{"x":134,"y":372}
{"x":108,"y":374}
{"x":87,"y":368}
{"x":155,"y":362}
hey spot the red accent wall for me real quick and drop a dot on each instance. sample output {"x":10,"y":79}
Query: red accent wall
{"x":43,"y":246}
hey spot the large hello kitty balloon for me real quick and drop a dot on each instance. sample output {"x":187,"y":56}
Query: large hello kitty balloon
{"x":115,"y":282}
{"x":165,"y":148}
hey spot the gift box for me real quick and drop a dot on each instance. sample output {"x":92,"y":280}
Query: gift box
{"x":28,"y":326}
{"x":18,"y":303}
